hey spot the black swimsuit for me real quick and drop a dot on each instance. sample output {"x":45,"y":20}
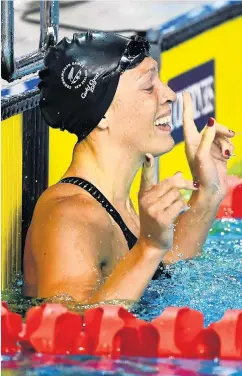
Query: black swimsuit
{"x":129,"y":236}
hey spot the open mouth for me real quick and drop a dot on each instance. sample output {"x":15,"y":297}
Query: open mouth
{"x":163,"y":123}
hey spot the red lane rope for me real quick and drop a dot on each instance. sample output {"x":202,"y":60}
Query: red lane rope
{"x":110,"y":330}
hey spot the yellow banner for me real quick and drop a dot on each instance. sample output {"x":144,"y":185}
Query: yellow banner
{"x":221,"y":46}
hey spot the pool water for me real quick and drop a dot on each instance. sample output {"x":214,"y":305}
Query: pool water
{"x":210,"y":283}
{"x":50,"y":365}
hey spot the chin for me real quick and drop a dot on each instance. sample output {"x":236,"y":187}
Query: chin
{"x":167,"y":145}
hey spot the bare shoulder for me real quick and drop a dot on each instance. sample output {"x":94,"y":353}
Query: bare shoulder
{"x":70,"y":208}
{"x":70,"y":233}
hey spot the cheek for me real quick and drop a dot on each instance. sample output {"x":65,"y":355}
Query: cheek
{"x":144,"y":107}
{"x":131,"y":109}
{"x":141,"y":122}
{"x":137,"y":111}
{"x":150,"y":103}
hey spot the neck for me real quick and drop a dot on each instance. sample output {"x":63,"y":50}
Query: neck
{"x":109,"y":168}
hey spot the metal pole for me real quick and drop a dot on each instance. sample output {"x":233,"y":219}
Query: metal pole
{"x":157,"y":170}
{"x":7,"y":38}
{"x":155,"y":38}
{"x":49,"y":23}
{"x":14,"y":69}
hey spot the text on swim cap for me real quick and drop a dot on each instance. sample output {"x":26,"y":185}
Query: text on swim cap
{"x":90,"y":86}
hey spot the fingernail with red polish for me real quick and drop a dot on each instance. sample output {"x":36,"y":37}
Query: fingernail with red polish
{"x":210,"y":122}
{"x":196,"y":184}
{"x":227,"y":152}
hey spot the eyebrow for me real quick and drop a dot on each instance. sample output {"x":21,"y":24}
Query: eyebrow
{"x":152,"y":69}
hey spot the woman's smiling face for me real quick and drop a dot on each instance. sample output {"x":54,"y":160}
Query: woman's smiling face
{"x":141,"y":110}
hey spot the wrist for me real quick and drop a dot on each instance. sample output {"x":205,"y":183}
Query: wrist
{"x":149,"y":250}
{"x":205,"y":200}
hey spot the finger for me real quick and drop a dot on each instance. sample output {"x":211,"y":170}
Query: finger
{"x":224,"y":131}
{"x":221,"y":130}
{"x":176,"y":208}
{"x":166,"y":200}
{"x":181,"y":183}
{"x":176,"y":181}
{"x":207,"y":140}
{"x":189,"y":126}
{"x":226,"y":147}
{"x":147,"y":176}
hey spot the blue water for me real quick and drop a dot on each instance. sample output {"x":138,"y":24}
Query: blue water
{"x":43,"y":365}
{"x":211,"y":283}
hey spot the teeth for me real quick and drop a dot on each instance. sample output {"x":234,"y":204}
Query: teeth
{"x":163,"y":120}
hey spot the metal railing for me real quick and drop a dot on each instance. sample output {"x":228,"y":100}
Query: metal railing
{"x":12,"y":68}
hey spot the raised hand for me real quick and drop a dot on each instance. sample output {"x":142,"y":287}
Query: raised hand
{"x":207,"y":152}
{"x":159,"y":206}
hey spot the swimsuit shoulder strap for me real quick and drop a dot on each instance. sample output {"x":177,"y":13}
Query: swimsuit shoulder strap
{"x":89,"y":187}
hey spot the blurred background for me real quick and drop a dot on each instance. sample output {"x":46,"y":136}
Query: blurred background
{"x":104,"y":15}
{"x":96,"y":14}
{"x":198,"y":47}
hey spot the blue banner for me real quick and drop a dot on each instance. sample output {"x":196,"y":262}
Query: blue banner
{"x":199,"y":82}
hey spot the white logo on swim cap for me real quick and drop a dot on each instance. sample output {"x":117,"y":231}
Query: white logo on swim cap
{"x":90,"y":86}
{"x":71,"y":75}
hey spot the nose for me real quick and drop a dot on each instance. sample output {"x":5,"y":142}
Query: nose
{"x":171,"y":94}
{"x":167,"y":94}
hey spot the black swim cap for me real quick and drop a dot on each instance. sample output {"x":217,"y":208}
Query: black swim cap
{"x":81,"y":76}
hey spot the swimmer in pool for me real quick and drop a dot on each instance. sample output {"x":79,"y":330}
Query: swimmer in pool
{"x":85,"y":239}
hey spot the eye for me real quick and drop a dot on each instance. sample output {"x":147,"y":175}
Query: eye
{"x":150,"y":89}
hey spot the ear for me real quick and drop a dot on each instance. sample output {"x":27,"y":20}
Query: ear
{"x":103,"y":124}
